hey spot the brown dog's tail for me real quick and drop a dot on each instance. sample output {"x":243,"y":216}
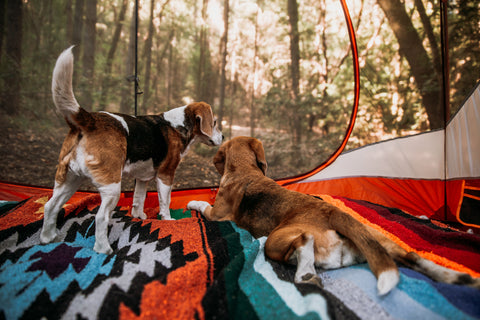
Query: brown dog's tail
{"x":381,"y":253}
{"x":62,"y":92}
{"x":427,"y":267}
{"x":379,"y":260}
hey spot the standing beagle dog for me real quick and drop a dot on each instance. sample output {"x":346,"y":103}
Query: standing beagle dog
{"x":303,"y":229}
{"x":102,"y":146}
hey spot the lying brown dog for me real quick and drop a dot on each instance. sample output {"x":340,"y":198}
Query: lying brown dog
{"x":303,"y":229}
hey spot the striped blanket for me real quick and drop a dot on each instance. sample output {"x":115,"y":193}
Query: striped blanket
{"x":196,"y":269}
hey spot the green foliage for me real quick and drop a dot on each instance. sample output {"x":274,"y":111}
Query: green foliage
{"x":464,"y":21}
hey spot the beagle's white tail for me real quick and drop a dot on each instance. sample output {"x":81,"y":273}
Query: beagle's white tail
{"x":62,"y":92}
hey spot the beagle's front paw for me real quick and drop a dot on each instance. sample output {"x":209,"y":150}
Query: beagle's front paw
{"x":102,"y":247}
{"x":165,"y":215}
{"x":137,"y":213}
{"x":48,"y":235}
{"x":199,"y":206}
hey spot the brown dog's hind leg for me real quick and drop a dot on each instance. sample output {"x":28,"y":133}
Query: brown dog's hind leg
{"x":286,"y":245}
{"x":378,"y":258}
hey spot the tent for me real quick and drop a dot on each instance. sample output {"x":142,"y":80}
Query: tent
{"x":422,"y":191}
{"x":433,"y":174}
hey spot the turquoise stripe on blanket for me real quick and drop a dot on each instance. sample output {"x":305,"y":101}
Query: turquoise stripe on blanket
{"x":271,"y":297}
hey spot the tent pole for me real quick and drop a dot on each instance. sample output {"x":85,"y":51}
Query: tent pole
{"x":445,"y":89}
{"x":136,"y":55}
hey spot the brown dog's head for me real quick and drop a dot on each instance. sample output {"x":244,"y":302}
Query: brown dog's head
{"x":240,"y":152}
{"x":205,"y":127}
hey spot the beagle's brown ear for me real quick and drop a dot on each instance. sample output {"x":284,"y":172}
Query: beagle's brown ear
{"x":219,"y":160}
{"x":257,"y":147}
{"x":204,"y":118}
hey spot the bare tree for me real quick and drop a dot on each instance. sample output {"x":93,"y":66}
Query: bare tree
{"x":224,"y":52}
{"x":3,"y":4}
{"x":203,"y":42}
{"x":69,"y":18}
{"x":161,"y":54}
{"x":148,"y":52}
{"x":427,"y":26}
{"x":205,"y":75}
{"x":88,"y":58}
{"x":11,"y":98}
{"x":148,"y":57}
{"x":126,"y":101}
{"x":254,"y":82}
{"x":111,"y":54}
{"x":292,"y":9}
{"x":77,"y":33}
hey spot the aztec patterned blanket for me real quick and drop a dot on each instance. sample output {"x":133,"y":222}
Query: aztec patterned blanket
{"x":195,"y":269}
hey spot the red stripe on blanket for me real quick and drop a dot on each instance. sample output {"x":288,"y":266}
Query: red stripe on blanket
{"x":32,"y":210}
{"x":445,"y":238}
{"x":469,"y":258}
{"x":461,"y":260}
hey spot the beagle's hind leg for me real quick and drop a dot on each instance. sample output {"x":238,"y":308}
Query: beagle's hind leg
{"x":62,"y":192}
{"x":110,"y":195}
{"x":295,"y":247}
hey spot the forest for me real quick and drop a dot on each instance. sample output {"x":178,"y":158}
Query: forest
{"x":281,"y":71}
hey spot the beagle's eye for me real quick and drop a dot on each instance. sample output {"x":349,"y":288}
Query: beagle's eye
{"x":215,"y":123}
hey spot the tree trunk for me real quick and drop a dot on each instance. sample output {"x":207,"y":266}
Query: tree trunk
{"x":111,"y":54}
{"x":148,"y":59}
{"x":88,"y":67}
{"x":295,"y":69}
{"x":69,"y":19}
{"x":421,"y":65}
{"x":226,"y":9}
{"x":77,"y":34}
{"x":3,"y":4}
{"x":161,"y":54}
{"x":148,"y":53}
{"x":11,"y":100}
{"x":233,"y":90}
{"x":170,"y":68}
{"x":127,"y":101}
{"x":202,"y":81}
{"x":254,"y":83}
{"x":205,"y":74}
{"x":427,"y":26}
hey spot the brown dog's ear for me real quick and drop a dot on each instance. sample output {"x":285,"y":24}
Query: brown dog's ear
{"x":257,"y":148}
{"x":204,"y":118}
{"x":219,"y":160}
